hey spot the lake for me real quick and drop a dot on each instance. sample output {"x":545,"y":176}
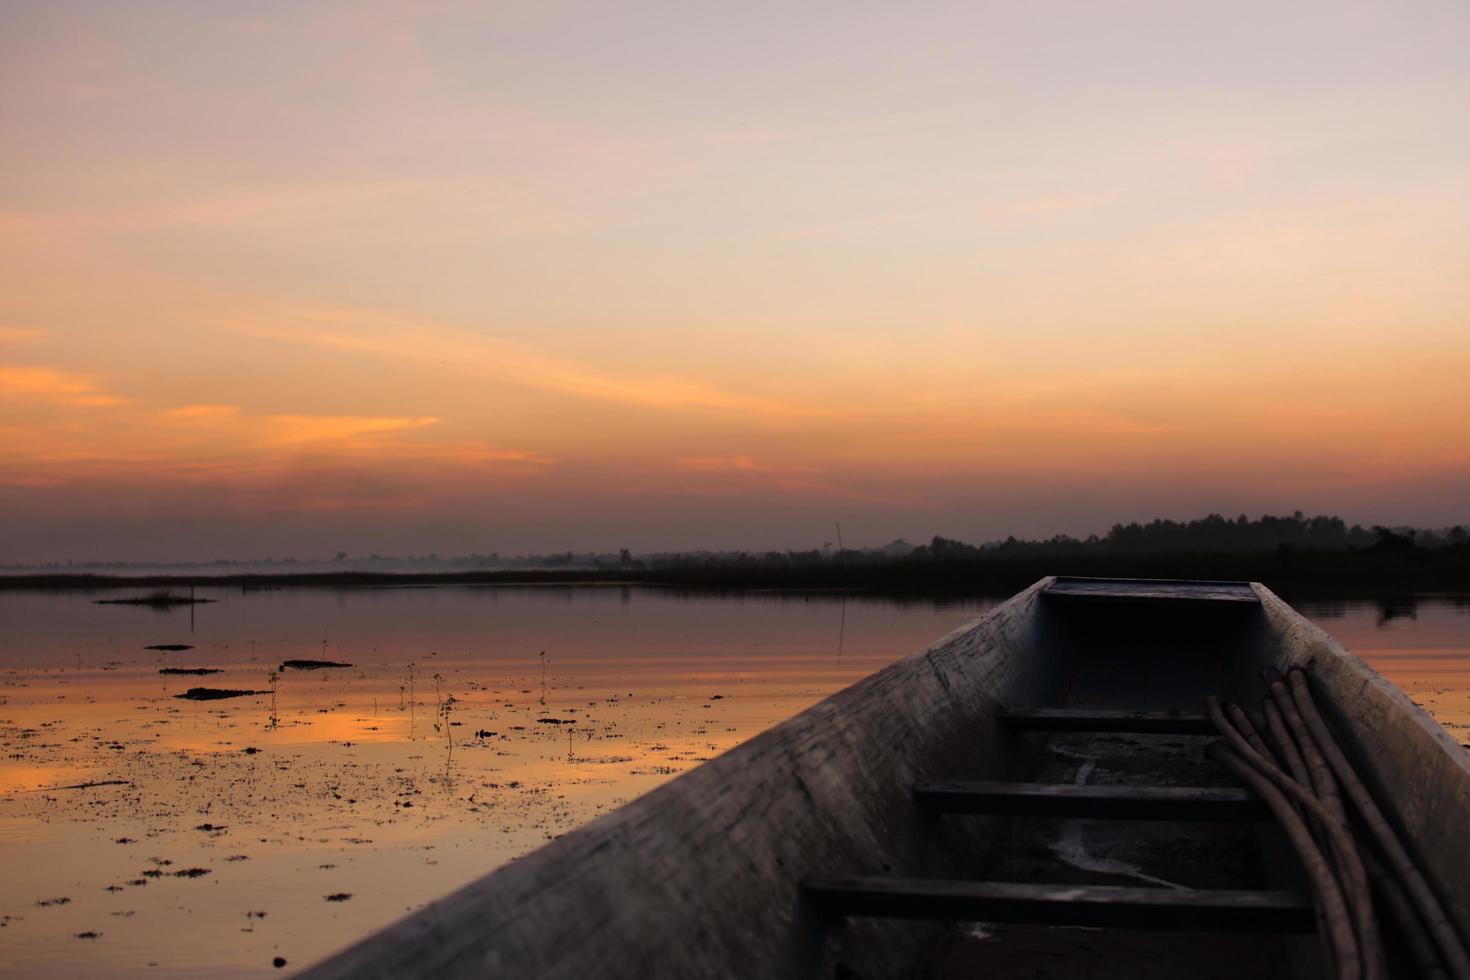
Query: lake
{"x":143,"y":833}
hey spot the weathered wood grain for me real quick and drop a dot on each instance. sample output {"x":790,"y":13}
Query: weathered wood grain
{"x":1143,"y":590}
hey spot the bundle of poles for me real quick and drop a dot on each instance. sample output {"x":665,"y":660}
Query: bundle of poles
{"x":1289,"y":757}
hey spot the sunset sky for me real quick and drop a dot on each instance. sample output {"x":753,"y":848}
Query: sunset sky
{"x":287,"y":278}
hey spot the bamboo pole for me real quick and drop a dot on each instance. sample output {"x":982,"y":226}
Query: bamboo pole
{"x":1349,"y":865}
{"x":1344,"y":846}
{"x":1421,"y":946}
{"x":1451,"y":948}
{"x":1343,"y":959}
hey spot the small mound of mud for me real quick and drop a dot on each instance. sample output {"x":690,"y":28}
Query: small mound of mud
{"x":215,"y":694}
{"x":170,"y":647}
{"x":311,"y":664}
{"x":157,"y":599}
{"x":190,"y":670}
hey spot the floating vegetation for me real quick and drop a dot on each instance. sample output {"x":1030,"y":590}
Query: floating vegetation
{"x":160,"y":599}
{"x":190,"y":670}
{"x":215,"y":694}
{"x":311,"y":664}
{"x":170,"y":647}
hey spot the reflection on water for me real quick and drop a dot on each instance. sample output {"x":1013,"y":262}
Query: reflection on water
{"x":472,"y":725}
{"x":1421,"y":643}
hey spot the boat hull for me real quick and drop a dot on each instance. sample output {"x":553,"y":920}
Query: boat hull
{"x":702,"y":877}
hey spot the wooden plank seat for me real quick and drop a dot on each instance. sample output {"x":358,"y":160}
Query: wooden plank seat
{"x":1090,"y":720}
{"x":1104,"y":906}
{"x":1097,"y":801}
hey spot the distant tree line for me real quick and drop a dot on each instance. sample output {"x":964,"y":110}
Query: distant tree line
{"x":1216,"y":535}
{"x":1295,"y":553}
{"x":1213,"y":535}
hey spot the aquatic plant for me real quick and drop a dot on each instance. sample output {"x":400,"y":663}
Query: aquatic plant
{"x":445,"y":709}
{"x":410,"y":701}
{"x":275,"y":719}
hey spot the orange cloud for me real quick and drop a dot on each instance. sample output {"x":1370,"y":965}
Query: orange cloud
{"x":202,"y":411}
{"x":58,"y":387}
{"x":289,"y":430}
{"x":517,"y":364}
{"x":721,"y":464}
{"x":286,"y":460}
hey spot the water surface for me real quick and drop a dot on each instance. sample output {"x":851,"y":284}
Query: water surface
{"x":475,"y":724}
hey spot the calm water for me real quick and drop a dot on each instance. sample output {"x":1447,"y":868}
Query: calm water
{"x":473,"y":725}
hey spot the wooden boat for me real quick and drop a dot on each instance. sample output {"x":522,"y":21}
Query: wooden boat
{"x":1029,"y":796}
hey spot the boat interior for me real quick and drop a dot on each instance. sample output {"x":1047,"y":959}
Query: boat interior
{"x":1112,"y":845}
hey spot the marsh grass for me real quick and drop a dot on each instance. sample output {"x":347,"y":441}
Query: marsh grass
{"x":446,"y":709}
{"x":410,"y":701}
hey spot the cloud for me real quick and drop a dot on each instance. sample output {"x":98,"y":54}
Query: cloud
{"x":289,"y":430}
{"x":747,"y":471}
{"x":248,"y":459}
{"x":721,"y":464}
{"x":202,"y":411}
{"x":517,"y":364}
{"x":57,"y":387}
